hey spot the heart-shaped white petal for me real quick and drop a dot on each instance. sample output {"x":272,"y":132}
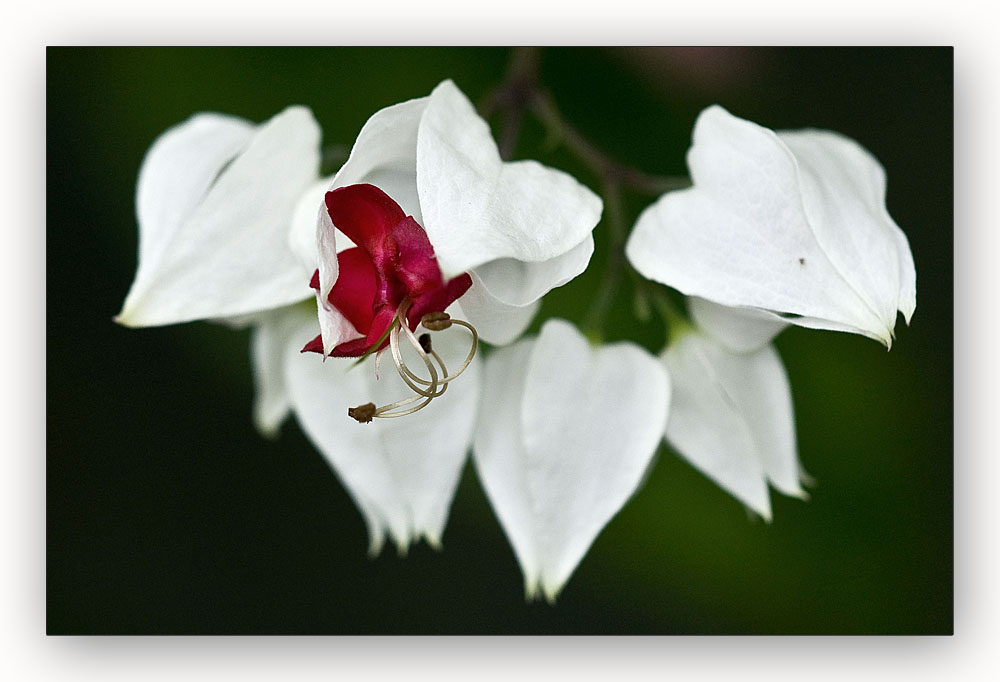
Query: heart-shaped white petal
{"x":731,"y":416}
{"x":792,"y":223}
{"x":565,"y":435}
{"x":215,"y":200}
{"x":521,"y":227}
{"x":479,"y":209}
{"x":402,"y":473}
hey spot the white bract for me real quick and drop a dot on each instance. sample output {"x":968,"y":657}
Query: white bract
{"x":214,"y":203}
{"x":227,"y":215}
{"x":791,"y":225}
{"x":565,"y":435}
{"x":402,"y":473}
{"x":731,"y":414}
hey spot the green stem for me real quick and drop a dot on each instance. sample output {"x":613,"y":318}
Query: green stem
{"x":543,"y":106}
{"x":676,"y":322}
{"x":520,"y":92}
{"x":614,"y":217}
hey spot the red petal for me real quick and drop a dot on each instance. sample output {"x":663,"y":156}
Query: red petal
{"x":393,"y":259}
{"x":352,"y":349}
{"x":367,"y":215}
{"x":437,"y":300}
{"x":314,"y":346}
{"x":354,"y":292}
{"x":417,"y":267}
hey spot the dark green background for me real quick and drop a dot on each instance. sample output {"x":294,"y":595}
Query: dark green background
{"x":167,"y":513}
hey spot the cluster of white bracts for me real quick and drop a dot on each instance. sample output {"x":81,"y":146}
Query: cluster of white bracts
{"x":778,"y":229}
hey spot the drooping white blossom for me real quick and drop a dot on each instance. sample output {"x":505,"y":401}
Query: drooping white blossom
{"x":792,"y":224}
{"x":401,"y":473}
{"x":565,"y":435}
{"x":731,"y":413}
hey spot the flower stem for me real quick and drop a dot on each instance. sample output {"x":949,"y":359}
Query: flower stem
{"x":614,"y":215}
{"x":520,"y":93}
{"x":543,"y":106}
{"x":676,"y":322}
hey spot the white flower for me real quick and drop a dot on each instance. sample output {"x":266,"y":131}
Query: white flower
{"x":518,"y":228}
{"x":228,"y":231}
{"x":731,"y":412}
{"x":790,"y":224}
{"x":565,"y":435}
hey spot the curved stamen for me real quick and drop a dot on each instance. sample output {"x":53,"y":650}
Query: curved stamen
{"x":472,"y":350}
{"x":436,"y":322}
{"x":423,"y":345}
{"x":426,"y":390}
{"x":384,"y":411}
{"x":404,"y":372}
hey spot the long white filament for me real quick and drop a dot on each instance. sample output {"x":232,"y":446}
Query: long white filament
{"x":425,"y":389}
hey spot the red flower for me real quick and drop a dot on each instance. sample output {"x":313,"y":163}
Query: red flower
{"x":393,"y":260}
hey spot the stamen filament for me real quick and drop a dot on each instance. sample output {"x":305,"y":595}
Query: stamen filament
{"x":385,"y":409}
{"x":426,"y":390}
{"x":406,"y":374}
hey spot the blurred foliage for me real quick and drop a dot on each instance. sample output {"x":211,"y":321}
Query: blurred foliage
{"x":167,"y":513}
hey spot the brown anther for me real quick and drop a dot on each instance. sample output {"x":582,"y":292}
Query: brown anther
{"x":436,"y":321}
{"x":425,"y":342}
{"x":362,"y":413}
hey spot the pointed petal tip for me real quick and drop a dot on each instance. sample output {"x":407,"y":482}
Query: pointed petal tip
{"x":551,"y":592}
{"x":433,"y":541}
{"x":537,"y":590}
{"x":531,"y":590}
{"x":128,"y":316}
{"x":762,"y":512}
{"x":806,"y":478}
{"x":375,"y":547}
{"x":266,"y":430}
{"x":403,"y":541}
{"x":886,"y":335}
{"x":796,"y":492}
{"x":134,"y":316}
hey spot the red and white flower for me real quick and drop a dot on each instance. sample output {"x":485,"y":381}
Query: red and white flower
{"x":423,"y":217}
